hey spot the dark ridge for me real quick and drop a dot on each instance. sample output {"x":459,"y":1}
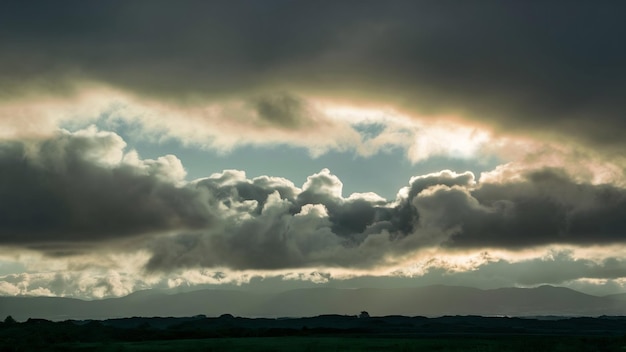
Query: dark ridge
{"x":431,"y":301}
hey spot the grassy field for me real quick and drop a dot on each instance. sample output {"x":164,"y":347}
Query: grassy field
{"x":303,"y":344}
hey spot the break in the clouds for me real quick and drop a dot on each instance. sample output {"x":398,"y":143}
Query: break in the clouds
{"x":526,"y":95}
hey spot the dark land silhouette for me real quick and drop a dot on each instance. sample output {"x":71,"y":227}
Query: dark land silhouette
{"x":335,"y":332}
{"x":442,"y":318}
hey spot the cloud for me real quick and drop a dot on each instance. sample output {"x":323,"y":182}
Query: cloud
{"x":568,"y":267}
{"x":515,"y":67}
{"x":538,"y":86}
{"x":317,"y":226}
{"x":86,"y":284}
{"x":81,"y":187}
{"x":284,"y":111}
{"x":545,"y":207}
{"x":558,"y":267}
{"x":81,"y":191}
{"x":289,"y":227}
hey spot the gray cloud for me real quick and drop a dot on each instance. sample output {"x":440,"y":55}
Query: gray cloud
{"x":446,"y":209}
{"x":272,"y":225}
{"x":283,"y":110}
{"x":77,"y":191}
{"x":545,"y":207}
{"x":518,"y":66}
{"x":63,"y":190}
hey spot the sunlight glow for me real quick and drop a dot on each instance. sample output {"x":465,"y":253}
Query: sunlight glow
{"x":422,"y":136}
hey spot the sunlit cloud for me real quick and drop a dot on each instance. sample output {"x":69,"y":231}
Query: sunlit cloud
{"x":226,"y":125}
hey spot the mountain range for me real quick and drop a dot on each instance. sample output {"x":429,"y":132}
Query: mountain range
{"x":428,"y":301}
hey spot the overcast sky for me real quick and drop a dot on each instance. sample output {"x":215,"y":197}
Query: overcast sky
{"x":298,"y":143}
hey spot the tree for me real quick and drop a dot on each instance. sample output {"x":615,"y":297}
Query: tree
{"x":364,"y":314}
{"x":9,"y":320}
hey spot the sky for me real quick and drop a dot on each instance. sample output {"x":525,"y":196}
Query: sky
{"x":282,"y":144}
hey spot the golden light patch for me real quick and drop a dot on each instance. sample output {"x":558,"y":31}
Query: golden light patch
{"x":421,"y":136}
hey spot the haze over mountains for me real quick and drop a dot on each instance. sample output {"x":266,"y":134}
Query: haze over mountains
{"x":424,"y":301}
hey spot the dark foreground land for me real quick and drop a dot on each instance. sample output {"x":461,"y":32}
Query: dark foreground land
{"x":322,"y":333}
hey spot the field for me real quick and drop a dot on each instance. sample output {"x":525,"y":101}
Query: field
{"x":305,"y":344}
{"x":322,"y":333}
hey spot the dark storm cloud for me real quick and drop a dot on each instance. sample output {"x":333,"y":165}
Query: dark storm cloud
{"x":545,"y":207}
{"x":62,"y":191}
{"x":77,"y":191}
{"x":348,"y":217}
{"x":284,"y":227}
{"x":520,"y":66}
{"x":447,"y":209}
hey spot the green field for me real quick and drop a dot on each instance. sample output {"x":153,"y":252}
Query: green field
{"x":303,"y":344}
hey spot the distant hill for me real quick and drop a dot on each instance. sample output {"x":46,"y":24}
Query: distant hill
{"x":419,"y":301}
{"x":618,"y":297}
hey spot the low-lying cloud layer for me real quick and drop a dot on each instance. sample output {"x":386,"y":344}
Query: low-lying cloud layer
{"x":485,"y":270}
{"x":78,"y":190}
